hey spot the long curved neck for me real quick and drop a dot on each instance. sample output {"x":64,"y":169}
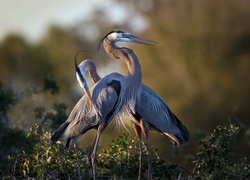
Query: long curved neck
{"x":125,"y":54}
{"x":94,"y":75}
{"x":90,"y":67}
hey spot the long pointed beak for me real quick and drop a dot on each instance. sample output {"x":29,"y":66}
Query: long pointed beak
{"x":140,"y":40}
{"x":86,"y":89}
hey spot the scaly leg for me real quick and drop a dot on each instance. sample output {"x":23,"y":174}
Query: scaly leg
{"x":138,"y":135}
{"x":92,"y":153}
{"x":145,"y":128}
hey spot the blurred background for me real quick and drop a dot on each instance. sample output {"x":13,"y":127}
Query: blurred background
{"x":201,"y":66}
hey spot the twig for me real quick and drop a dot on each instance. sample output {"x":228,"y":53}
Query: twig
{"x":179,"y":177}
{"x":78,"y":164}
{"x":79,"y":169}
{"x":193,"y":172}
{"x":246,"y":176}
{"x":241,"y":124}
{"x":186,"y":169}
{"x":14,"y":168}
{"x":233,"y":174}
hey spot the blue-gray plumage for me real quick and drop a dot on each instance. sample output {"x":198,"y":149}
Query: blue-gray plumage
{"x":151,"y":112}
{"x":112,"y":96}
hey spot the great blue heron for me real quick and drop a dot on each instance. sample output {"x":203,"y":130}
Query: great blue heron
{"x":151,"y":113}
{"x":113,"y":95}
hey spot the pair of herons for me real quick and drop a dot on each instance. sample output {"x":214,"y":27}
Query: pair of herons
{"x":115,"y":96}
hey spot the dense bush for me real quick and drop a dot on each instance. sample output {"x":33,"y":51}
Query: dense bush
{"x":49,"y":161}
{"x":120,"y":159}
{"x":214,"y":160}
{"x":33,"y":156}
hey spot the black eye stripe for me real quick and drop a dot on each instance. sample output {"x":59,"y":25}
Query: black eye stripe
{"x":113,"y":31}
{"x":80,"y":75}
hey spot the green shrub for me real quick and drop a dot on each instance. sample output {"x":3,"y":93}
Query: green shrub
{"x":214,"y":160}
{"x":49,"y":161}
{"x":53,"y":119}
{"x":121,"y":160}
{"x":53,"y":161}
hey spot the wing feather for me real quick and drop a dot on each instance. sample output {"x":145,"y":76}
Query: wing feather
{"x":156,"y":112}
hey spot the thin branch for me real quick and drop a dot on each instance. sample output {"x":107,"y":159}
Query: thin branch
{"x":179,"y":177}
{"x":233,"y":174}
{"x":186,"y":169}
{"x":237,"y":120}
{"x":14,"y":167}
{"x":78,"y":163}
{"x":69,"y":177}
{"x":193,"y":172}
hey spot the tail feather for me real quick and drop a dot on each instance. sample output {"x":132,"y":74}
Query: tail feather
{"x":180,"y":138}
{"x":184,"y":136}
{"x":57,"y":135}
{"x":173,"y":140}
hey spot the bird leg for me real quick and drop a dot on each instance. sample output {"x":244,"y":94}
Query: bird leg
{"x":145,"y":128}
{"x":138,"y":135}
{"x":92,"y":153}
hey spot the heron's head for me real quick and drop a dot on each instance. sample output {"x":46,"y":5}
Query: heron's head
{"x":123,"y":36}
{"x":80,"y":75}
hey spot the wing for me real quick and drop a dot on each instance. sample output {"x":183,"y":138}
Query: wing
{"x":81,"y":119}
{"x":84,"y":117}
{"x":156,"y":112}
{"x":105,"y":95}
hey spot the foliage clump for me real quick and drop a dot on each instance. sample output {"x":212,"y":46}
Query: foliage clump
{"x":49,"y":161}
{"x":214,"y":161}
{"x":49,"y":84}
{"x":121,"y":160}
{"x":7,"y":99}
{"x":52,"y":119}
{"x":53,"y":161}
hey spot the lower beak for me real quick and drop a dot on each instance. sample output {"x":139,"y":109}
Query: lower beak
{"x":141,"y":40}
{"x":89,"y":96}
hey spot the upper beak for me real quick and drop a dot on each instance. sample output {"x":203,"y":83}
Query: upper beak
{"x":140,"y":40}
{"x":89,"y":95}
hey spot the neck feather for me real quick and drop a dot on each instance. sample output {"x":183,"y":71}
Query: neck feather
{"x":125,"y":54}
